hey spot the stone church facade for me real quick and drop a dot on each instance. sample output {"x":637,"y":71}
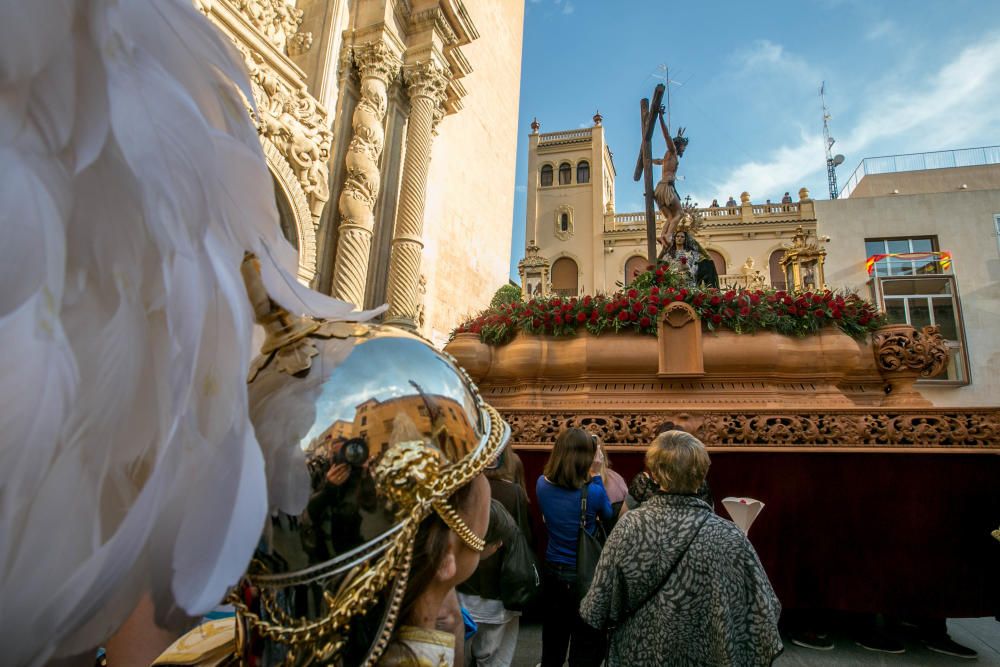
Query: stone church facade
{"x":371,"y":114}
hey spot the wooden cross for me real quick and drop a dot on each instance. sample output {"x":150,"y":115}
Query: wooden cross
{"x":644,"y":165}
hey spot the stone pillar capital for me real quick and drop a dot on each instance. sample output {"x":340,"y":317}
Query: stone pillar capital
{"x":376,"y":60}
{"x":427,"y":79}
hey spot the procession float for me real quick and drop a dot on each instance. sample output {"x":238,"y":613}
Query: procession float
{"x":806,"y":397}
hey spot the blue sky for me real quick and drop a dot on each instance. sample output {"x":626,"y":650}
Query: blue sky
{"x":901,"y":77}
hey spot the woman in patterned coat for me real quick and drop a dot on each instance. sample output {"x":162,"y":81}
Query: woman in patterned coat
{"x":678,"y":585}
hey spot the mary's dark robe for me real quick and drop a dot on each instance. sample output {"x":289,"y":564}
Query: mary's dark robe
{"x":717,"y":608}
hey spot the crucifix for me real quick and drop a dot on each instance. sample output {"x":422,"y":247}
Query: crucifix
{"x":649,"y":111}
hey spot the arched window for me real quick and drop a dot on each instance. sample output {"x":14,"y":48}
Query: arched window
{"x":564,"y":222}
{"x":564,"y":277}
{"x":633,"y":267}
{"x":546,"y":175}
{"x":777,"y":273}
{"x":583,"y":172}
{"x":719,"y":261}
{"x":565,"y":173}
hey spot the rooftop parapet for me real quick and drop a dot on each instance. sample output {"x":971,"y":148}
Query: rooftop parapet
{"x":891,"y":164}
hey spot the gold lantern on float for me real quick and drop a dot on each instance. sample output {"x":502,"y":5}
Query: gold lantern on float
{"x":803,"y":263}
{"x":534,"y":271}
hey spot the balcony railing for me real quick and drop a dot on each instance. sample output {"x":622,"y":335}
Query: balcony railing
{"x":569,"y":136}
{"x":801,"y":210}
{"x":890,"y":164}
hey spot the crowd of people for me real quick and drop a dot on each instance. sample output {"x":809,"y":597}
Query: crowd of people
{"x":673,"y":582}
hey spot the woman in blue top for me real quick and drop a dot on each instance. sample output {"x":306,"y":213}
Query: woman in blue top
{"x":570,"y":467}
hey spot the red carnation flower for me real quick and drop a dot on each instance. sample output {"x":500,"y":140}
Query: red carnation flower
{"x":652,"y":310}
{"x":754,"y":299}
{"x":637,"y":306}
{"x":581,"y":317}
{"x":556,"y":301}
{"x":659,"y":273}
{"x":792,"y":311}
{"x":684,"y":260}
{"x":715,"y":300}
{"x":683,"y":293}
{"x":836,"y":314}
{"x":729,"y":295}
{"x":559,"y":320}
{"x":632,"y":293}
{"x":818,"y":312}
{"x":698,"y":300}
{"x":609,"y":308}
{"x":744,"y":311}
{"x":679,"y":296}
{"x":536,"y":323}
{"x":587,"y":300}
{"x":623,"y":316}
{"x":654,"y":300}
{"x":787,"y":300}
{"x":728,"y":312}
{"x":593,"y":316}
{"x":716,"y":319}
{"x":644,"y":322}
{"x":817,"y":298}
{"x":654,"y":291}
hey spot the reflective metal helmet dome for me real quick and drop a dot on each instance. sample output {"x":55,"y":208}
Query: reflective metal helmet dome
{"x":366,"y":430}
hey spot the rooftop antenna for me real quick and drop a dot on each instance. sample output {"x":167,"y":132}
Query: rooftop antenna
{"x":665,"y":77}
{"x":832,"y":161}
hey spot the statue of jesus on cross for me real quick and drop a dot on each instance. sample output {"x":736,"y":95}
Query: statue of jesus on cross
{"x":665,"y":195}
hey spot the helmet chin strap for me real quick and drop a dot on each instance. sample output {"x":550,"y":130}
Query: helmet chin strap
{"x":457,"y":524}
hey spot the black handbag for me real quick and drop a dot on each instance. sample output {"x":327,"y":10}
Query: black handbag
{"x":588,"y":548}
{"x":520,"y":580}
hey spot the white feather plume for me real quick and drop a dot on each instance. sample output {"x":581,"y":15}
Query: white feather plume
{"x":134,"y":183}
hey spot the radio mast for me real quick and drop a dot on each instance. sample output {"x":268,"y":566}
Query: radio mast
{"x":832,"y":161}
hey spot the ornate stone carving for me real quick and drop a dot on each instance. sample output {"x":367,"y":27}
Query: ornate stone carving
{"x":567,"y":233}
{"x":427,"y":79}
{"x":426,"y":83}
{"x":902,"y":354}
{"x":297,"y":125}
{"x":377,"y":65}
{"x":278,"y":21}
{"x":967,"y":429}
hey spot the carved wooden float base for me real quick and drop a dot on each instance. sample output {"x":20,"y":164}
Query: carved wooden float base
{"x":933,"y":430}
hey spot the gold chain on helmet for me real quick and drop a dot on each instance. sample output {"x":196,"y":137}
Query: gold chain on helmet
{"x":362,"y":588}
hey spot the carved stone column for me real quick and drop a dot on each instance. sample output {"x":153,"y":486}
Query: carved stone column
{"x":427,"y":83}
{"x":377,"y":65}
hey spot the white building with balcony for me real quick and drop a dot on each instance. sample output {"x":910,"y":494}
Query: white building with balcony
{"x":930,"y":225}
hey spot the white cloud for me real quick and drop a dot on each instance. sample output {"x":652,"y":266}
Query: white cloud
{"x":764,"y":56}
{"x":951,"y":107}
{"x":568,"y":8}
{"x":881,"y":30}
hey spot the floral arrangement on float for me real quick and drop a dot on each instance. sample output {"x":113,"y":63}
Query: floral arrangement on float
{"x":636,"y":309}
